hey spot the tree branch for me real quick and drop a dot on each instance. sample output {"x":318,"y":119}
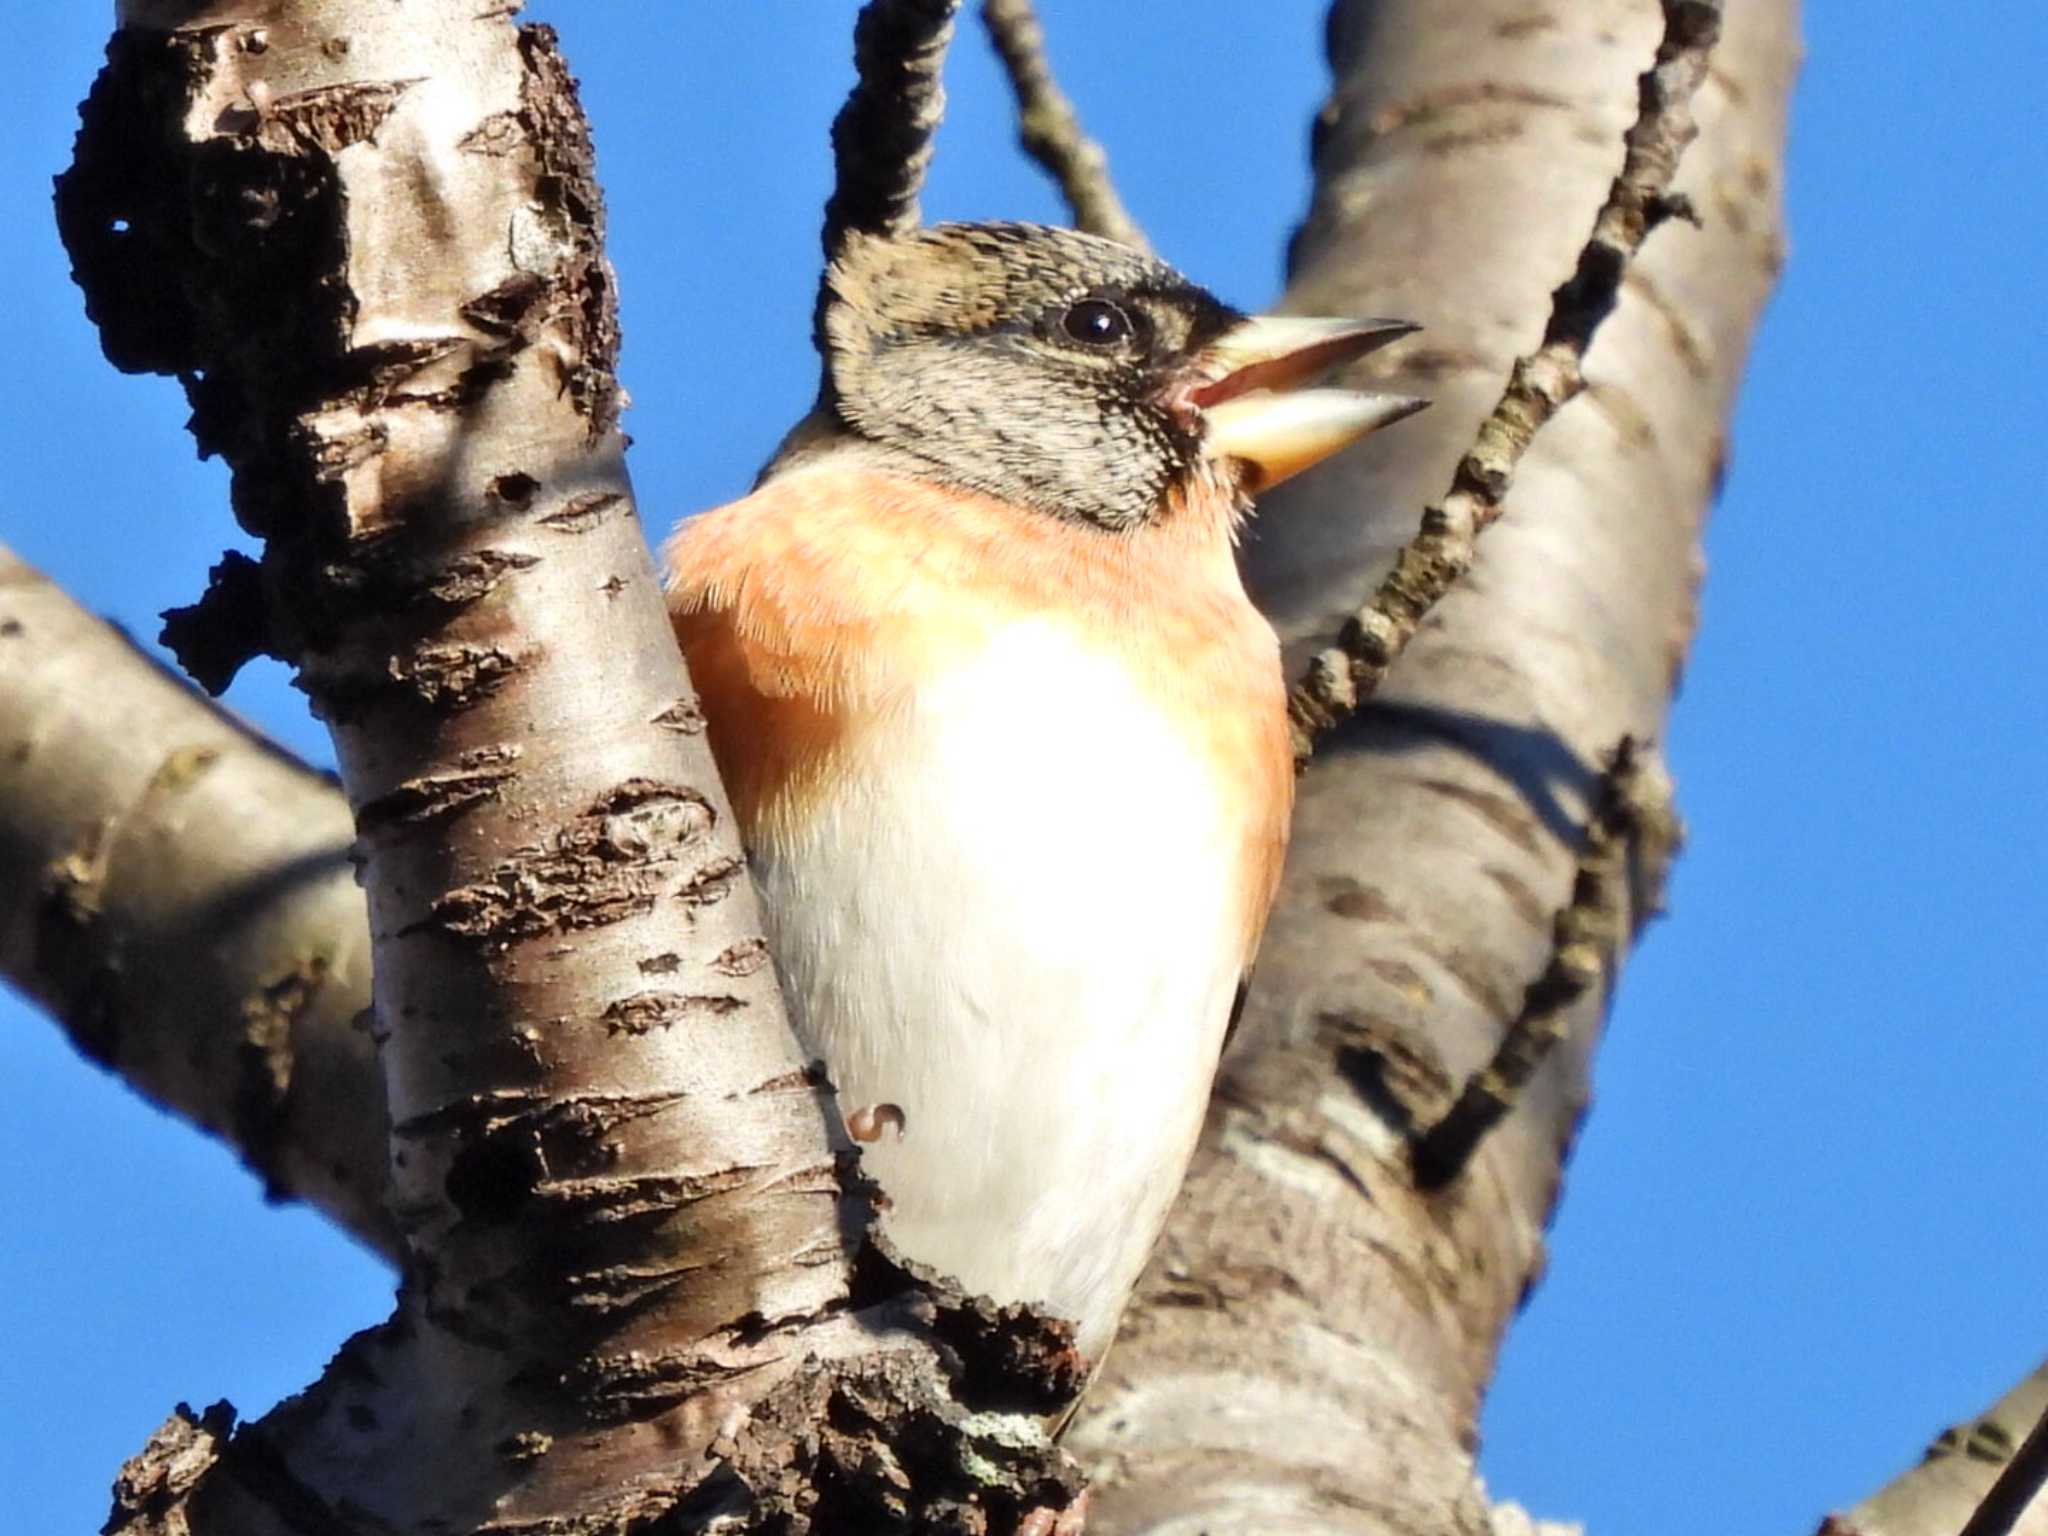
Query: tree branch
{"x":179,"y":896}
{"x":882,"y":137}
{"x":1310,"y":1347}
{"x":2016,"y":1488}
{"x":1632,"y":826}
{"x":1049,"y":128}
{"x":374,"y":255}
{"x":1442,"y":550}
{"x":1982,"y":1478}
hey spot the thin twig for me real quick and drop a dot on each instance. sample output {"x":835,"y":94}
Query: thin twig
{"x":2017,"y":1486}
{"x":1050,"y":129}
{"x":1338,"y":680}
{"x":882,"y":138}
{"x":1629,"y":842}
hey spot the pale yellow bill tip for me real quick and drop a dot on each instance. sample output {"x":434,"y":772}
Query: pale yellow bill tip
{"x":1282,"y":433}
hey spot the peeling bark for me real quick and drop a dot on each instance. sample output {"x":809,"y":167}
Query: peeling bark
{"x":635,"y":1281}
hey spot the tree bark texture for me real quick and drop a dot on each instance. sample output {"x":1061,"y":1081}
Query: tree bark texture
{"x":185,"y":906}
{"x":373,"y":253}
{"x":1310,"y":1347}
{"x":1940,"y":1494}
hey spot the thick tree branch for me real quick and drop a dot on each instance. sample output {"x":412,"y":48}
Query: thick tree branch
{"x":185,"y":1012}
{"x":179,"y":896}
{"x":374,"y":254}
{"x":1309,"y":1350}
{"x":1050,"y":130}
{"x":1540,"y":384}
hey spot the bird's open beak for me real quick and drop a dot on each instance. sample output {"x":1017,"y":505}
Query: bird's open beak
{"x":1252,"y":411}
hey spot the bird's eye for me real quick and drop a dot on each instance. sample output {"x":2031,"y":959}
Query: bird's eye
{"x":1096,"y":323}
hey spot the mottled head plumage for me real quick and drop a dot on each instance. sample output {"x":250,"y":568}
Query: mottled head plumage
{"x":1034,"y":364}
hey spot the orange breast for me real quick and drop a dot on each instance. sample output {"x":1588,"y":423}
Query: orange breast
{"x":812,"y":608}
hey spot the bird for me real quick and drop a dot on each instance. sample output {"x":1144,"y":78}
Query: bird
{"x":1005,"y":738}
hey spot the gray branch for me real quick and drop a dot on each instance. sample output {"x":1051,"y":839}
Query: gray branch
{"x":1050,"y":129}
{"x":1633,"y":830}
{"x":1539,"y":385}
{"x":1309,"y":1349}
{"x":181,"y":901}
{"x":1982,"y":1477}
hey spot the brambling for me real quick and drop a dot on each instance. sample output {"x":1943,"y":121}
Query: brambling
{"x":1005,"y":737}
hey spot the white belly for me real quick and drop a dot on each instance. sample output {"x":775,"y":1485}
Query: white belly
{"x":1017,"y":919}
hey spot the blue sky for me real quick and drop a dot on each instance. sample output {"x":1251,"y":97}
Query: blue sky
{"x":1803,"y":1229}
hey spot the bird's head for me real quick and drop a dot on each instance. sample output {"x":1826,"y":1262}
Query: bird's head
{"x":1068,"y":373}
